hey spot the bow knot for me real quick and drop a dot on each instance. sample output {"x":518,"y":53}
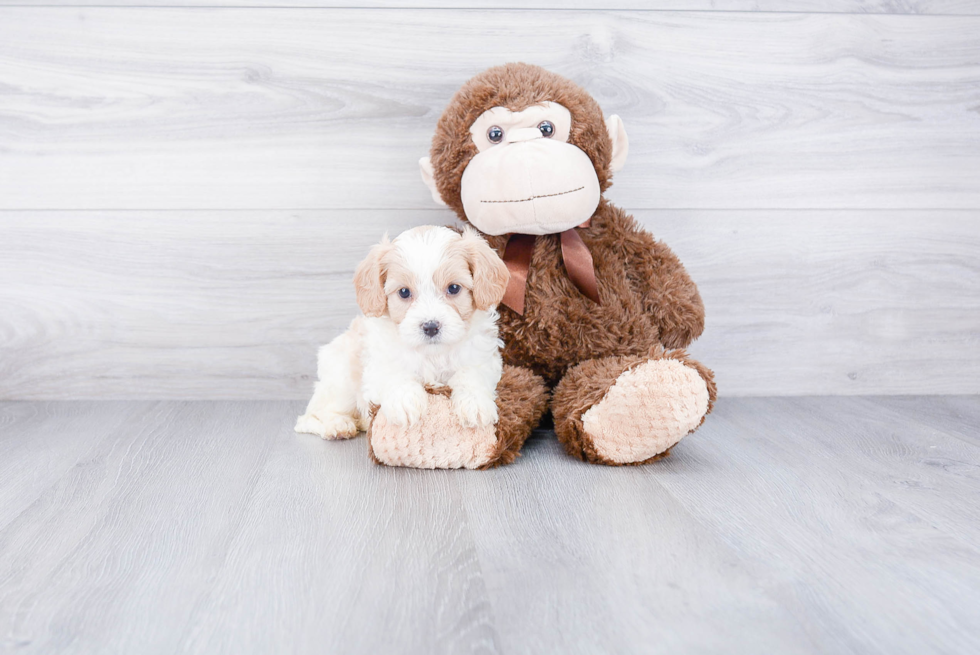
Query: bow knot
{"x":574,"y":253}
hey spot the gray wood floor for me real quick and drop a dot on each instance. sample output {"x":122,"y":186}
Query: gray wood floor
{"x":843,"y":525}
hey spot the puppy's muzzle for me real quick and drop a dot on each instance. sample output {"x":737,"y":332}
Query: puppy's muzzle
{"x":431,"y":328}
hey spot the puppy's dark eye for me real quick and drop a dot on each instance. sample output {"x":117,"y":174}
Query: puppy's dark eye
{"x":453,"y":289}
{"x":404,"y":292}
{"x":547,"y":129}
{"x":495,"y":134}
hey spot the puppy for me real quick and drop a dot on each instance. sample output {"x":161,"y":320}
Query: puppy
{"x":429,"y":303}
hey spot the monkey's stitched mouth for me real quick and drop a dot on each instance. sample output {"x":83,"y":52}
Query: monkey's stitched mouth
{"x":546,"y":195}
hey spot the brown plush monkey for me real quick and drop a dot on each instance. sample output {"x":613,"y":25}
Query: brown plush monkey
{"x":596,"y":307}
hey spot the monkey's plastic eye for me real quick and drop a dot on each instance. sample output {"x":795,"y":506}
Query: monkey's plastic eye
{"x":405,"y":292}
{"x":547,"y":129}
{"x":453,"y":289}
{"x":495,"y":134}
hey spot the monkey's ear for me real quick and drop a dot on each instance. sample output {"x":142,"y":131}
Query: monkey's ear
{"x":620,"y":144}
{"x":429,"y":177}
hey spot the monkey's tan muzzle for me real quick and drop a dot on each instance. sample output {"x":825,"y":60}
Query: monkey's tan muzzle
{"x":530,"y":185}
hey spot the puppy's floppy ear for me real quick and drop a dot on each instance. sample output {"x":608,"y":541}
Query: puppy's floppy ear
{"x":490,"y":274}
{"x":369,"y":283}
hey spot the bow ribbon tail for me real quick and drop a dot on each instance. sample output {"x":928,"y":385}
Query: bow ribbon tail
{"x":579,"y":264}
{"x":517,"y":257}
{"x":575,"y":254}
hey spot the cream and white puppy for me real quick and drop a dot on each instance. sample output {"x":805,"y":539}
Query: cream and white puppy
{"x":429,"y":303}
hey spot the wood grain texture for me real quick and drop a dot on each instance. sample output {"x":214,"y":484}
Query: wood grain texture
{"x":795,"y":525}
{"x":290,"y":108}
{"x":928,"y":7}
{"x":890,"y":535}
{"x":207,"y":528}
{"x":783,"y":525}
{"x":77,"y":434}
{"x":234,"y":304}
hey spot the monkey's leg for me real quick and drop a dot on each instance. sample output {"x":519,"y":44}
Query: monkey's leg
{"x":522,"y":400}
{"x":632,"y":409}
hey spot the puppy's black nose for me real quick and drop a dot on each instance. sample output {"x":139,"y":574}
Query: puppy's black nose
{"x":431,"y":328}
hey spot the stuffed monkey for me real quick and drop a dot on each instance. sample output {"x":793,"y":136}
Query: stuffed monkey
{"x":596,"y":308}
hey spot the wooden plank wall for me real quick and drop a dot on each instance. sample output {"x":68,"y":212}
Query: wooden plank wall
{"x":185,"y":189}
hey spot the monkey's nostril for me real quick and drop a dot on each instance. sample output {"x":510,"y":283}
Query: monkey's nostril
{"x":431,"y":328}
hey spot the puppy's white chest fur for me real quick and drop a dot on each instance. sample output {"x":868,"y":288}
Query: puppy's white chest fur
{"x":429,"y":364}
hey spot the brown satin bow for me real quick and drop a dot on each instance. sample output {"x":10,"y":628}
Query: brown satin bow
{"x":574,"y":252}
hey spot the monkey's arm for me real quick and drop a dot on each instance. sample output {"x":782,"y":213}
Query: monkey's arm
{"x":669,"y":293}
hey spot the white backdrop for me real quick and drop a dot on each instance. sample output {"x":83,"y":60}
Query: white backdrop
{"x":184,"y":191}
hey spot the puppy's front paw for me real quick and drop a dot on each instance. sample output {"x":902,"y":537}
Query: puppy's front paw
{"x":474,"y":409}
{"x":406,"y":405}
{"x":309,"y":424}
{"x":327,"y":425}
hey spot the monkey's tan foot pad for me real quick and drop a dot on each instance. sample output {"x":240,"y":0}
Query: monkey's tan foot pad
{"x":647,"y":410}
{"x":631,"y":409}
{"x":438,"y":440}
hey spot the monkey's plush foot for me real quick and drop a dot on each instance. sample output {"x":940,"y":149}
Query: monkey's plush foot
{"x":328,"y":425}
{"x":631,"y":410}
{"x":440,"y":440}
